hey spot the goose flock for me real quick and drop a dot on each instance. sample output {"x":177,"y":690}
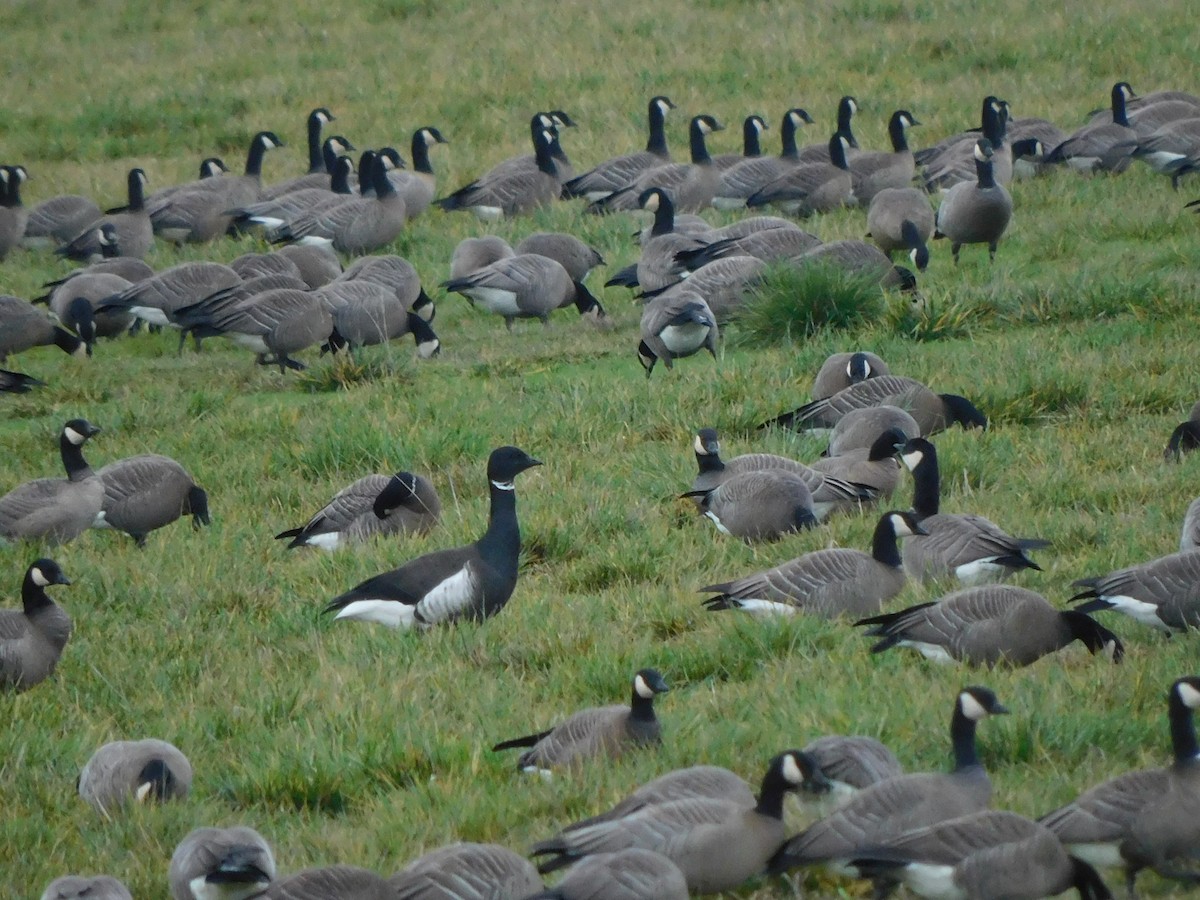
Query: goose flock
{"x":696,"y":830}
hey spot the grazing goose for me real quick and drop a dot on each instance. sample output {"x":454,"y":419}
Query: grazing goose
{"x":472,"y":582}
{"x":373,"y":505}
{"x":613,"y":174}
{"x":17,"y":382}
{"x":275,"y":324}
{"x":1163,"y":593}
{"x":716,"y":843}
{"x":875,"y":467}
{"x":318,"y":159}
{"x":371,"y":314}
{"x":811,"y":187}
{"x":86,"y":887}
{"x":761,"y":505}
{"x":932,"y":412}
{"x":75,"y":302}
{"x":1173,"y":149}
{"x":13,"y":214}
{"x":569,"y":251}
{"x":888,"y":808}
{"x":969,"y":547}
{"x":990,"y":625}
{"x":724,"y":284}
{"x":676,"y":325}
{"x":860,"y":261}
{"x":631,"y":874}
{"x":144,"y":493}
{"x":329,"y":883}
{"x":690,"y":186}
{"x":850,"y":764}
{"x":1146,"y":818}
{"x":56,"y":510}
{"x":318,"y":265}
{"x":902,"y":219}
{"x":707,"y":782}
{"x":472,"y":254}
{"x":1186,"y":436}
{"x":828,"y":493}
{"x":418,"y":186}
{"x":1101,"y":146}
{"x":53,"y":222}
{"x":1189,"y":539}
{"x":600,"y":731}
{"x":829,"y":583}
{"x":529,"y":286}
{"x":396,"y":273}
{"x":252,"y":265}
{"x":157,"y":299}
{"x":752,"y":128}
{"x":740,"y":181}
{"x":873,"y":172}
{"x":466,"y":872}
{"x":986,"y":854}
{"x":840,"y":370}
{"x":201,"y":211}
{"x":197,"y":319}
{"x":512,"y":191}
{"x":975,"y":213}
{"x":275,"y":212}
{"x":1032,"y":139}
{"x":121,"y":772}
{"x":22,"y":327}
{"x":112,"y":263}
{"x":32,"y":639}
{"x":858,"y":430}
{"x":227,"y":863}
{"x":133,"y":231}
{"x":768,"y":244}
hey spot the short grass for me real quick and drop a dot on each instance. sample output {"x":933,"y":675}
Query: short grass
{"x":356,"y":744}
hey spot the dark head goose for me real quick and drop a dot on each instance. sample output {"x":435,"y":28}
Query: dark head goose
{"x":528,"y":286}
{"x":32,"y":638}
{"x":990,"y":625}
{"x":417,"y":186}
{"x":632,"y":874}
{"x":75,"y":301}
{"x":760,"y":505}
{"x":716,"y":843}
{"x":658,"y":266}
{"x":1163,"y":593}
{"x":373,"y":505}
{"x":122,"y":772}
{"x":23,"y":326}
{"x":144,"y":493}
{"x":840,"y":370}
{"x":840,"y":581}
{"x":221,"y":864}
{"x":953,"y":160}
{"x":975,"y":213}
{"x":507,"y":190}
{"x":850,"y":764}
{"x":134,"y":234}
{"x":1185,"y":438}
{"x":86,"y":887}
{"x":55,"y":221}
{"x":613,"y":174}
{"x":967,"y":547}
{"x":472,"y":582}
{"x":275,"y":212}
{"x":1146,"y":818}
{"x":752,"y":128}
{"x":13,"y":214}
{"x":811,"y":187}
{"x":600,"y":731}
{"x":56,"y":510}
{"x":746,"y":177}
{"x":888,"y":808}
{"x":819,"y":153}
{"x":874,"y":467}
{"x":872,"y":172}
{"x":466,"y":871}
{"x":317,"y":173}
{"x":1101,"y":146}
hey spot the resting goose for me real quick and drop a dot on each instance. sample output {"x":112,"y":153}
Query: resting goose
{"x":740,"y":181}
{"x":466,"y":871}
{"x":632,"y":874}
{"x":56,"y":510}
{"x":507,"y":191}
{"x":123,"y":772}
{"x":32,"y":638}
{"x":613,"y":174}
{"x":840,"y":370}
{"x":373,"y":505}
{"x":760,"y":505}
{"x":86,"y":887}
{"x":234,"y":863}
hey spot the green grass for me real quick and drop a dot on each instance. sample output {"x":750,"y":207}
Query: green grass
{"x":354,"y":744}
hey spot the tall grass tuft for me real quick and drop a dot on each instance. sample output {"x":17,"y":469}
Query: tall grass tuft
{"x":791,"y":304}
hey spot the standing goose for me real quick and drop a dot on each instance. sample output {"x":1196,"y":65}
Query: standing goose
{"x":275,"y":324}
{"x":740,"y":181}
{"x":975,"y":213}
{"x":197,"y":319}
{"x":56,"y":510}
{"x":659,"y":267}
{"x":875,"y":467}
{"x":112,"y":263}
{"x":953,"y":161}
{"x":1163,"y":593}
{"x":724,"y":284}
{"x":1186,"y":436}
{"x":317,"y":159}
{"x":529,"y":286}
{"x":418,"y":186}
{"x":201,"y":211}
{"x":902,"y":219}
{"x":932,"y":412}
{"x":811,"y":187}
{"x":366,"y":314}
{"x":1172,"y":149}
{"x":32,"y":638}
{"x":516,"y":191}
{"x":888,"y":808}
{"x":840,"y":370}
{"x":990,"y":625}
{"x":761,"y":505}
{"x":75,"y":301}
{"x":1145,"y":818}
{"x":144,"y":493}
{"x":17,"y":382}
{"x":227,"y":863}
{"x":86,"y":887}
{"x":600,"y":731}
{"x":567,"y":250}
{"x":828,"y":493}
{"x":133,"y":231}
{"x":318,"y":265}
{"x":472,"y":582}
{"x":53,"y":222}
{"x":1103,"y":146}
{"x":676,"y":325}
{"x":466,"y":871}
{"x":717,"y":844}
{"x":13,"y":214}
{"x":613,"y":174}
{"x":1032,"y":139}
{"x":157,"y":299}
{"x":689,"y":185}
{"x":752,"y":128}
{"x":873,"y":172}
{"x":846,"y":109}
{"x":968,"y":547}
{"x":829,"y":583}
{"x":275,"y":212}
{"x":986,"y":854}
{"x":22,"y":327}
{"x":1189,"y":538}
{"x":373,"y":505}
{"x":860,"y":261}
{"x":472,"y":254}
{"x":123,"y":772}
{"x":632,"y":874}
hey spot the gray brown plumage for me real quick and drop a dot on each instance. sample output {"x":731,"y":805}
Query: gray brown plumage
{"x":829,"y":583}
{"x":1105,"y":146}
{"x":472,"y":254}
{"x":329,"y":883}
{"x":990,"y":625}
{"x":155,"y":300}
{"x":762,"y":505}
{"x":53,"y":222}
{"x":366,"y":313}
{"x":13,"y":214}
{"x":86,"y":887}
{"x":417,"y":186}
{"x":811,"y":187}
{"x":952,"y":160}
{"x":355,"y":226}
{"x":132,"y":230}
{"x":613,"y":174}
{"x":238,"y":859}
{"x":978,"y":212}
{"x":676,"y":325}
{"x":373,"y":505}
{"x":318,"y":265}
{"x":1163,"y":593}
{"x":569,"y":251}
{"x":858,"y":429}
{"x":529,"y":286}
{"x":75,"y":302}
{"x":740,"y":181}
{"x":124,"y":772}
{"x":597,"y":732}
{"x":273,"y":212}
{"x":859,"y":260}
{"x":23,"y":326}
{"x":850,"y":764}
{"x":466,"y":872}
{"x":902,"y":219}
{"x":32,"y":638}
{"x":144,"y":493}
{"x":875,"y":467}
{"x":724,"y":284}
{"x":56,"y":510}
{"x":630,"y":874}
{"x":506,"y":192}
{"x":871,"y":173}
{"x":275,"y":324}
{"x":840,"y":370}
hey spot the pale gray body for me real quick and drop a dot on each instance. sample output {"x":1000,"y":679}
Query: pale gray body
{"x":890,"y":209}
{"x":569,"y":251}
{"x":54,"y":510}
{"x":86,"y":887}
{"x":111,"y":777}
{"x":858,"y":429}
{"x":761,"y":505}
{"x":239,"y":855}
{"x":834,"y":374}
{"x":144,"y":493}
{"x":473,"y":254}
{"x":466,"y":872}
{"x":631,"y":874}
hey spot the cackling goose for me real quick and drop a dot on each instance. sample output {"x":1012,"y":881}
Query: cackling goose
{"x":613,"y":174}
{"x":676,"y":325}
{"x":740,"y":181}
{"x":861,"y":261}
{"x":318,"y":158}
{"x":275,"y":324}
{"x":228,"y":863}
{"x":156,"y":300}
{"x":53,"y":222}
{"x":876,"y":467}
{"x":600,"y":731}
{"x":1104,"y":146}
{"x":752,"y":128}
{"x":418,"y":186}
{"x":1163,"y":593}
{"x":1189,"y":539}
{"x":56,"y":510}
{"x":500,"y":193}
{"x":840,"y":370}
{"x":850,"y":764}
{"x":275,"y":212}
{"x":472,"y":582}
{"x":630,"y":874}
{"x":32,"y":638}
{"x":22,"y":327}
{"x":761,"y":505}
{"x":529,"y":286}
{"x":75,"y":301}
{"x":873,"y":172}
{"x":144,"y":493}
{"x":472,"y":254}
{"x":975,"y":213}
{"x":811,"y":187}
{"x":902,"y":219}
{"x":659,"y":267}
{"x":569,"y":251}
{"x":724,"y":284}
{"x":827,"y":583}
{"x":13,"y":214}
{"x":329,"y":883}
{"x":370,"y":313}
{"x":134,"y":235}
{"x":86,"y":887}
{"x":403,"y":503}
{"x":990,"y":625}
{"x":123,"y":772}
{"x":953,"y":161}
{"x":466,"y":872}
{"x":707,"y":782}
{"x":858,"y":430}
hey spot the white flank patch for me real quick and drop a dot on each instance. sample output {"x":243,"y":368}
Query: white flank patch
{"x":593,"y":196}
{"x":312,"y":240}
{"x":151,"y":315}
{"x":329,"y":540}
{"x":495,"y":300}
{"x":1189,"y":695}
{"x":391,"y":613}
{"x":545,"y":774}
{"x":1160,"y":159}
{"x":1100,"y":855}
{"x":971,"y":707}
{"x":721,"y":528}
{"x":38,"y":578}
{"x":1146,"y":613}
{"x":698,"y":446}
{"x":729,"y":202}
{"x":684,"y":339}
{"x":450,"y":598}
{"x":488,"y":213}
{"x":267,"y":221}
{"x":101,"y":520}
{"x":253,"y":342}
{"x":821,"y":509}
{"x":929,"y":651}
{"x":979,"y":571}
{"x":1083,"y":163}
{"x":766,"y":607}
{"x":1023,"y":168}
{"x":929,"y":880}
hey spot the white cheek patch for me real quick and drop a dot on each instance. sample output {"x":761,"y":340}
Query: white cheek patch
{"x":323,"y":118}
{"x":979,"y":154}
{"x":1189,"y":695}
{"x":38,"y":578}
{"x":643,"y":689}
{"x":74,"y":436}
{"x":699,"y":447}
{"x":428,"y":349}
{"x":971,"y":707}
{"x":652,"y":202}
{"x":791,"y":771}
{"x":912,"y":459}
{"x":143,"y":791}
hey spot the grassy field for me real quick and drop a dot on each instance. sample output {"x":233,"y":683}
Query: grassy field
{"x":355,"y":744}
